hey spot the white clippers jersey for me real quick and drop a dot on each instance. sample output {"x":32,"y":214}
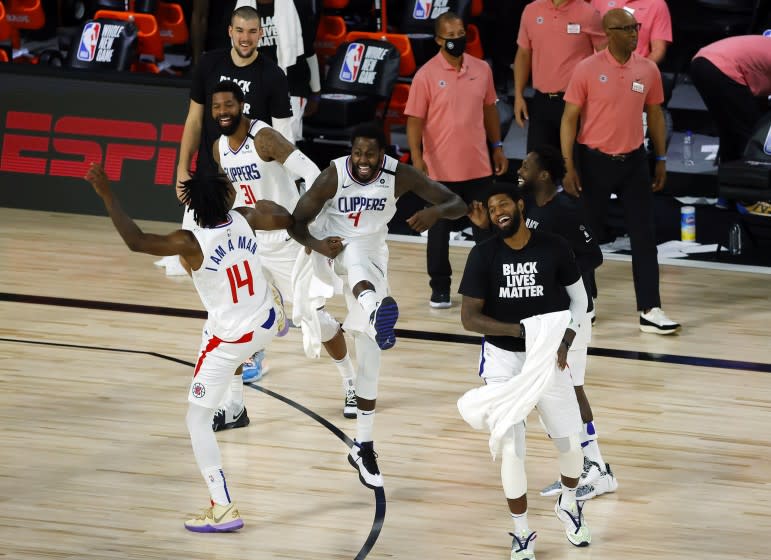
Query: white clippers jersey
{"x":230,"y":280}
{"x":253,"y":178}
{"x":360,"y":210}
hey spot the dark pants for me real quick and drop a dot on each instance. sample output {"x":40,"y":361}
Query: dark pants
{"x":543,"y":128}
{"x":630,"y":179}
{"x":731,"y":104}
{"x":438,"y":246}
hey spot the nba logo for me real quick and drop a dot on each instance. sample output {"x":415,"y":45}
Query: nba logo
{"x":422,"y":9}
{"x":352,"y":62}
{"x":88,"y":41}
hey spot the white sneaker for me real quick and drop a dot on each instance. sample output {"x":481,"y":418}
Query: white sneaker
{"x":606,"y":484}
{"x":363,"y":458}
{"x":590,"y":474}
{"x":576,"y":530}
{"x":523,"y":546}
{"x":656,"y":322}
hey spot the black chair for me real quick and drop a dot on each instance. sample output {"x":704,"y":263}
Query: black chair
{"x":361,"y":78}
{"x":750,"y":177}
{"x":418,"y":19}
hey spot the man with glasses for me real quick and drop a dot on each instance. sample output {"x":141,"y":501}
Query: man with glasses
{"x":655,"y":33}
{"x":451,"y":118}
{"x":608,"y":92}
{"x":554,"y":36}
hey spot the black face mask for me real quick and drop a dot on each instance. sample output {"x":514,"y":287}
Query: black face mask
{"x":455,"y":47}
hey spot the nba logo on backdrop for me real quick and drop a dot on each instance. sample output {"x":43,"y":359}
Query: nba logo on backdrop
{"x":88,"y":41}
{"x":422,"y":9}
{"x":352,"y":63}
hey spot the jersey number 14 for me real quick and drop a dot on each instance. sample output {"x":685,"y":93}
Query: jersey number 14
{"x":237,"y":281}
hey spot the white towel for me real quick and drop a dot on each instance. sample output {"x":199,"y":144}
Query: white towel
{"x":290,"y":33}
{"x":500,"y":406}
{"x":310,"y":293}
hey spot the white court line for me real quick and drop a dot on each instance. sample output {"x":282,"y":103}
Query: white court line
{"x":418,"y":239}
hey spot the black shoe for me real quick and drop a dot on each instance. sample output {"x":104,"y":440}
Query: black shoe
{"x":362,"y":457}
{"x":440,"y":300}
{"x":383,"y":320}
{"x":224,"y":420}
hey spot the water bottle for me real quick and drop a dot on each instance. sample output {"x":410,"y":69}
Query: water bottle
{"x":688,"y":148}
{"x":735,"y":239}
{"x":688,"y":223}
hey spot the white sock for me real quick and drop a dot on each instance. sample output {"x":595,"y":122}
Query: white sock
{"x":218,"y":488}
{"x":568,"y":501}
{"x":520,"y":524}
{"x":590,"y":447}
{"x":236,"y":392}
{"x":368,"y":301}
{"x":365,"y":422}
{"x":345,"y":367}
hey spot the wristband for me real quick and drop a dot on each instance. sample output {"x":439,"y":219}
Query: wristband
{"x":315,"y":97}
{"x":497,"y":144}
{"x":566,"y":343}
{"x":521,"y":330}
{"x":661,"y":158}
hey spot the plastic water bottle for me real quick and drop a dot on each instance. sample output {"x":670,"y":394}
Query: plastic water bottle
{"x":688,"y":148}
{"x":688,"y":223}
{"x":735,"y":239}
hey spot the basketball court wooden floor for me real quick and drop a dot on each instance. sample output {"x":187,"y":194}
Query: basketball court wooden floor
{"x":96,"y":464}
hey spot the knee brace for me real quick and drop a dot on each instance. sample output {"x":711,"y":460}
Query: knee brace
{"x":513,"y":473}
{"x":571,"y":458}
{"x":368,"y":362}
{"x":328,"y":325}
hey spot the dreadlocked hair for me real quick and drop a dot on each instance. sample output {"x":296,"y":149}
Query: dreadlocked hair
{"x":207,"y":197}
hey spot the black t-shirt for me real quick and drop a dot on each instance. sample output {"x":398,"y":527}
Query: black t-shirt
{"x":516,"y":284}
{"x":298,"y":74}
{"x":266,"y":94}
{"x":564,"y":216}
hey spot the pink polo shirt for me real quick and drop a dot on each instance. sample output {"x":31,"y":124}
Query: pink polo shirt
{"x":559,"y":38}
{"x":451,"y":102}
{"x":745,"y":59}
{"x":612,"y":98}
{"x":652,"y":14}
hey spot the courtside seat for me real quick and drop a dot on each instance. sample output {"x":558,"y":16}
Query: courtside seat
{"x":473,"y":41}
{"x":171,"y":24}
{"x":329,"y":35}
{"x":150,"y":45}
{"x":22,"y":15}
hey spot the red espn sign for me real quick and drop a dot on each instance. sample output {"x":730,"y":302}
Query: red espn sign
{"x":33,"y":149}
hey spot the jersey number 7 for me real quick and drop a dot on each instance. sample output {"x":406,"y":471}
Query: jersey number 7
{"x":236,"y":281}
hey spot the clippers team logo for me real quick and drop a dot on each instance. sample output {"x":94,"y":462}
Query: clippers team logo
{"x":422,"y":9}
{"x":198,"y":390}
{"x":603,"y":78}
{"x":89,"y":40}
{"x":352,"y":63}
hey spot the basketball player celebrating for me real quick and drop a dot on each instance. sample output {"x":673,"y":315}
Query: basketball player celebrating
{"x":517,"y":274}
{"x":555,"y":211}
{"x":258,"y":161}
{"x":227,"y":273}
{"x":352,"y":202}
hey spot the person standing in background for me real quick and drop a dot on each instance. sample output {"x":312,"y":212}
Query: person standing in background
{"x":451,"y":118}
{"x":655,"y":33}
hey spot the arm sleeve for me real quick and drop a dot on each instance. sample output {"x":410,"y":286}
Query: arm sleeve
{"x":578,"y":303}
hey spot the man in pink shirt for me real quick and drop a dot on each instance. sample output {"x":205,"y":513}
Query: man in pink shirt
{"x":451,"y":118}
{"x":733,"y":77}
{"x":554,"y":36}
{"x":655,"y":24}
{"x":608,"y":92}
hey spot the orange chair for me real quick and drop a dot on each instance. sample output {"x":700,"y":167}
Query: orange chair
{"x":5,"y":29}
{"x":477,"y":7}
{"x":335,"y":4}
{"x":148,"y":34}
{"x":329,"y":35}
{"x":407,"y":64}
{"x":26,"y":14}
{"x":172,"y":24}
{"x":473,"y":42}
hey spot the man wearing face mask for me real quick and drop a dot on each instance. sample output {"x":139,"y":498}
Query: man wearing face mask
{"x":451,"y":121}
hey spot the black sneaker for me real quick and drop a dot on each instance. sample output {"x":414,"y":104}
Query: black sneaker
{"x":225,"y":420}
{"x":349,"y":408}
{"x":440,"y":300}
{"x":362,"y":457}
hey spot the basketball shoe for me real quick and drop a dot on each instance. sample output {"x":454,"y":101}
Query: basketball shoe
{"x":254,"y":368}
{"x":656,"y":322}
{"x":363,"y":458}
{"x":573,"y":519}
{"x":523,"y":546}
{"x":216,"y":519}
{"x":591,"y":473}
{"x":383,"y":320}
{"x":281,"y":320}
{"x":226,"y":418}
{"x":349,"y":408}
{"x":606,"y":484}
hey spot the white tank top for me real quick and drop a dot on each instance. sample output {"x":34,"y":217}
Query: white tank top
{"x":230,"y":280}
{"x":256,"y":179}
{"x":360,"y":209}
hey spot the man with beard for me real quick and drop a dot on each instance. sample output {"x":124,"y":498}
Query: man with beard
{"x":514,"y":275}
{"x":266,"y":93}
{"x":552,"y":210}
{"x":258,"y":161}
{"x":352,"y":202}
{"x":607,"y":93}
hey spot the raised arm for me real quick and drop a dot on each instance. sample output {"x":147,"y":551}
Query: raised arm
{"x":180,"y":242}
{"x":272,"y":146}
{"x":309,"y":206}
{"x":446,"y":204}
